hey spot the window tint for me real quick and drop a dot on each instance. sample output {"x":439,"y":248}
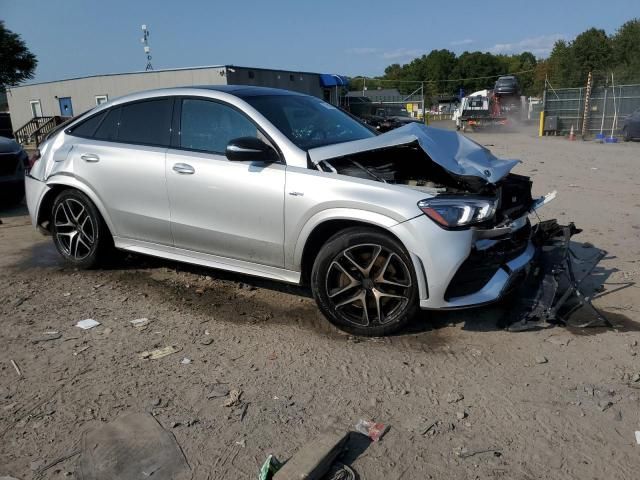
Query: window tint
{"x":109,"y":126}
{"x":209,"y":126}
{"x":88,"y":127}
{"x":145,"y":122}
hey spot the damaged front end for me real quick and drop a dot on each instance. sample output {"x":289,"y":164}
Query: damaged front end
{"x":466,"y":188}
{"x":445,"y":165}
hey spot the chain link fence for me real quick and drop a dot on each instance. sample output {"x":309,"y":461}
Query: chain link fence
{"x":608,"y":106}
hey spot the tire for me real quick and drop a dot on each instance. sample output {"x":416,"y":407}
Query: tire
{"x":625,"y":134}
{"x":344,"y":274}
{"x":79,"y":232}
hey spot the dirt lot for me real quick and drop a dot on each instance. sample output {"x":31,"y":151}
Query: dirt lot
{"x":571,"y":417}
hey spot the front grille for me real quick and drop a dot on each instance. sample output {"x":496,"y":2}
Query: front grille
{"x":8,"y":163}
{"x":476,"y":271}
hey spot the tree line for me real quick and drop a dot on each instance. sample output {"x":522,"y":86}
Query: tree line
{"x":568,"y":65}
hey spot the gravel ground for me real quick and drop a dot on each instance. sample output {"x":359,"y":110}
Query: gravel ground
{"x":463,"y":398}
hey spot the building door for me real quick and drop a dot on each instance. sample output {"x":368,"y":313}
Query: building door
{"x":66,"y":109}
{"x":36,"y":108}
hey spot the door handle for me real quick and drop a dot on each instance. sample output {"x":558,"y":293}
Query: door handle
{"x":90,"y":157}
{"x":183,"y":168}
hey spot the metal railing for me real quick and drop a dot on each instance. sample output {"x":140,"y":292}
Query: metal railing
{"x":35,"y":129}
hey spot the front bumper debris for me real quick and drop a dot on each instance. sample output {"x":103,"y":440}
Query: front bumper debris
{"x":551,"y":292}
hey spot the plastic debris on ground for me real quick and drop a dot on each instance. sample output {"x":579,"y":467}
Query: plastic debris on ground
{"x":159,"y":352}
{"x":139,"y":322}
{"x":87,"y":324}
{"x":46,"y":336}
{"x":80,"y":350}
{"x":217,"y":391}
{"x":269,"y":468}
{"x":131,"y":447}
{"x":375,"y":431}
{"x":234,"y":398}
{"x":638,"y":437}
{"x":185,"y":361}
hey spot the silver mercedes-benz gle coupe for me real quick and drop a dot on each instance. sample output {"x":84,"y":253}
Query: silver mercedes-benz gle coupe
{"x":282,"y":185}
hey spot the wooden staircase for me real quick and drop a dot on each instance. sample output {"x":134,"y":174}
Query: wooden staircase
{"x":35,"y":129}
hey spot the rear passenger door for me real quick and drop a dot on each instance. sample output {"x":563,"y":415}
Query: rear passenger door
{"x":229,"y":209}
{"x":120,"y":155}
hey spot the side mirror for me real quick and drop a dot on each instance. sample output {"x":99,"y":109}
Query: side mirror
{"x":250,"y":149}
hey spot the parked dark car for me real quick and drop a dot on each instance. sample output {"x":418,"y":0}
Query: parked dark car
{"x":507,"y":86}
{"x":631,"y":126}
{"x":387,"y":117}
{"x":13,"y":163}
{"x":6,"y":129}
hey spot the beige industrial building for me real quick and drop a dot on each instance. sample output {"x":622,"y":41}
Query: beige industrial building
{"x":68,"y":98}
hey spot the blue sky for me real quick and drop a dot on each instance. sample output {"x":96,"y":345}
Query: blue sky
{"x":85,"y":37}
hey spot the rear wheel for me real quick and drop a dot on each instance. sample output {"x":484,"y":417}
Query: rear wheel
{"x":364,"y":283}
{"x":79,"y":232}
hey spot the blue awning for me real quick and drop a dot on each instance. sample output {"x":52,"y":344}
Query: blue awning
{"x":331,"y":80}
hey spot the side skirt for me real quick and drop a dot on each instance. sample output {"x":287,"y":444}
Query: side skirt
{"x":206,"y":260}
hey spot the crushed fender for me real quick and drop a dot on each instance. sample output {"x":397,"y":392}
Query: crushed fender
{"x":551,"y":292}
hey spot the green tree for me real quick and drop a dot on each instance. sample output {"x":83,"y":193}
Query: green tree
{"x":17,"y":63}
{"x":625,"y":46}
{"x":591,"y":51}
{"x":479,"y":69}
{"x":562,"y":66}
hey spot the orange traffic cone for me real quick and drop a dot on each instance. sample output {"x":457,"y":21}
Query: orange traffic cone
{"x":572,"y":135}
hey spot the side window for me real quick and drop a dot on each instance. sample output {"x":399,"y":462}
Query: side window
{"x":208,"y":126}
{"x":147,"y":122}
{"x":88,"y":127}
{"x":108,"y":129}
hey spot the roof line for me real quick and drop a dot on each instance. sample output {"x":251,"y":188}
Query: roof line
{"x":141,"y":72}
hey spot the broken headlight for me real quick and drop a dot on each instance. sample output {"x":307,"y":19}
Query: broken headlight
{"x":457,"y":212}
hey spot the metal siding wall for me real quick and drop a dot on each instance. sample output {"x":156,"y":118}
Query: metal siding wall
{"x":84,"y":90}
{"x":302,"y":82}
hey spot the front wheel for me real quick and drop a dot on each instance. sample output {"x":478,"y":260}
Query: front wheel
{"x":364,"y":283}
{"x":625,"y":134}
{"x":79,"y":232}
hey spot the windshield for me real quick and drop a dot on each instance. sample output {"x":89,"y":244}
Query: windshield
{"x":308,"y":121}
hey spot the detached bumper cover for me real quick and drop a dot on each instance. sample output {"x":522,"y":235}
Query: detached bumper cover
{"x":551,"y":292}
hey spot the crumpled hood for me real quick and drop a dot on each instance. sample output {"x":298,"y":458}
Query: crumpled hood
{"x":449,"y":149}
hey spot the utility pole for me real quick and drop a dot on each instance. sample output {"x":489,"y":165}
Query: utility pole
{"x":147,"y":48}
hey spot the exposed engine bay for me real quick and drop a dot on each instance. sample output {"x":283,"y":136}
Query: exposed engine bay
{"x":406,"y":165}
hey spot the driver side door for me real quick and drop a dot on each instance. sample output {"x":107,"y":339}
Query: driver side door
{"x":219,"y":207}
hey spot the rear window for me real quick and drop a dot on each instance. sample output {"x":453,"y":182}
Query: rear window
{"x":146,"y":122}
{"x":108,"y":129}
{"x":89,"y":126}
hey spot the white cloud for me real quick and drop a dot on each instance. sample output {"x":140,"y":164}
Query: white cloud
{"x":362,"y":51}
{"x":540,"y":46}
{"x":398,"y":53}
{"x":466,"y":41}
{"x":402,"y":53}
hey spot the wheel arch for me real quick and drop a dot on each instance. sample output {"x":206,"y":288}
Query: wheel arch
{"x":59,"y":185}
{"x":315,"y":235}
